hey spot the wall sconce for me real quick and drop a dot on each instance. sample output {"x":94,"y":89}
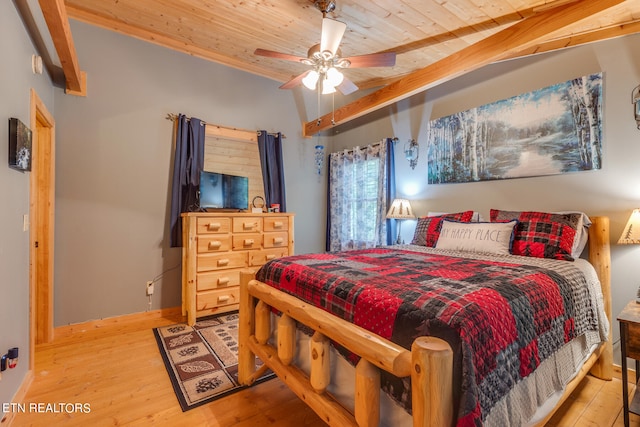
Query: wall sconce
{"x":400,"y":209}
{"x":10,"y":359}
{"x":319,"y":158}
{"x":635,"y":100}
{"x":411,"y":149}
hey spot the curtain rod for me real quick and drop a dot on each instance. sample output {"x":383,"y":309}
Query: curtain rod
{"x":374,"y":144}
{"x":173,"y":117}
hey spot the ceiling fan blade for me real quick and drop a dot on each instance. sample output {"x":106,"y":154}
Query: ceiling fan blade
{"x":387,"y":59}
{"x":332,"y":32}
{"x":278,"y":55}
{"x":295,"y":81}
{"x":347,"y":87}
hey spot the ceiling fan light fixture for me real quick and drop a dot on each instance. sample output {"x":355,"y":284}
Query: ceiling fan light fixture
{"x":325,"y":58}
{"x":342,"y":63}
{"x":334,"y":77}
{"x":327,"y":88}
{"x":311,"y":79}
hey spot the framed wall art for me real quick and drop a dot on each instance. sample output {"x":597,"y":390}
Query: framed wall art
{"x":553,"y":130}
{"x":19,"y":145}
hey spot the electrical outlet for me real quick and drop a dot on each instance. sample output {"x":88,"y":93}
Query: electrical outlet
{"x":149,"y":288}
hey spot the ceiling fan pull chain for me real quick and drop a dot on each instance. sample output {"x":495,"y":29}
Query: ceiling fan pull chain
{"x":333,"y":108}
{"x":319,"y":118}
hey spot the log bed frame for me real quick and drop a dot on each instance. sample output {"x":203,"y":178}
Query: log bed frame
{"x":429,"y":363}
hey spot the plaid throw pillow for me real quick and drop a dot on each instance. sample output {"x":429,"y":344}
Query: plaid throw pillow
{"x":541,"y":234}
{"x":428,"y":227}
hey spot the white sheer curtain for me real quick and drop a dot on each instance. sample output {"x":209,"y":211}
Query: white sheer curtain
{"x":357,"y":198}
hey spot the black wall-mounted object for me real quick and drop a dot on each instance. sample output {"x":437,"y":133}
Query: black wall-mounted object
{"x":19,"y":145}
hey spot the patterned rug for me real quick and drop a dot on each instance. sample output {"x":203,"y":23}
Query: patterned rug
{"x":202,"y":360}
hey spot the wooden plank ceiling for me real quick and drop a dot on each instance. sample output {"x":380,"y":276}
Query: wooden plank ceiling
{"x":421,"y":32}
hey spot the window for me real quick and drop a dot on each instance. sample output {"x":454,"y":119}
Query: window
{"x":358,"y":199}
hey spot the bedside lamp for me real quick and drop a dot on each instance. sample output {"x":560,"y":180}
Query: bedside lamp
{"x":400,"y":209}
{"x":631,"y":233}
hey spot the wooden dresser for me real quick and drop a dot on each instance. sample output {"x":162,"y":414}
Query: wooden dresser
{"x":217,"y":246}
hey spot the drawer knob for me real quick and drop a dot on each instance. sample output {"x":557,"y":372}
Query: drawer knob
{"x":278,"y":240}
{"x":250,"y":225}
{"x":248,"y":242}
{"x":223,"y":298}
{"x":214,"y":226}
{"x":277,"y":224}
{"x":223,"y":262}
{"x":223,"y":281}
{"x":270,"y":257}
{"x":215,"y":244}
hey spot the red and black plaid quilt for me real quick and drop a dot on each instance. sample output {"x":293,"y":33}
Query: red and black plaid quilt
{"x":507,"y":317}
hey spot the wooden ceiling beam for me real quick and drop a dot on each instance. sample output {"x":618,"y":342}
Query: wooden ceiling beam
{"x":501,"y":45}
{"x":55,"y":15}
{"x":613,"y":31}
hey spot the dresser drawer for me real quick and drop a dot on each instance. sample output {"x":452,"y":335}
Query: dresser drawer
{"x":213,"y":243}
{"x":260,"y":257}
{"x":210,"y":300}
{"x":247,"y":224}
{"x":276,"y":240}
{"x":276,"y":223}
{"x":633,"y":340}
{"x":210,"y":262}
{"x":247,"y":241}
{"x":213,"y":225}
{"x":223,"y":279}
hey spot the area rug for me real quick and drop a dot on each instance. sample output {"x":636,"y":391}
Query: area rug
{"x":202,"y":361}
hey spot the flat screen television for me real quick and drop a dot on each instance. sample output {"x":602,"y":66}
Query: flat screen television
{"x":222,"y":191}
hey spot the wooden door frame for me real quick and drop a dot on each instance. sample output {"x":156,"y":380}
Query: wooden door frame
{"x":41,"y":218}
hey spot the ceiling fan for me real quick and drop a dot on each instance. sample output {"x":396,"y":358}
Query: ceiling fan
{"x":325,"y":58}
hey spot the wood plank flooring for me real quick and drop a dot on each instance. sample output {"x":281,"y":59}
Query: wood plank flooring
{"x":115,"y":368}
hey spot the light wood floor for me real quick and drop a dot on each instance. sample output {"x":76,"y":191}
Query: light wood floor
{"x":115,"y":367}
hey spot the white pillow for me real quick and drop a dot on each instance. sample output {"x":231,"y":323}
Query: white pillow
{"x":475,"y":218}
{"x":483,"y":237}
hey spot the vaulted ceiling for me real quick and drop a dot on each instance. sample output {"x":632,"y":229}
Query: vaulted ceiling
{"x":434,"y":40}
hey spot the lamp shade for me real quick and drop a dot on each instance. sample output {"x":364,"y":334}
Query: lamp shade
{"x":631,"y":233}
{"x":400,"y":209}
{"x":334,"y":77}
{"x":311,"y":79}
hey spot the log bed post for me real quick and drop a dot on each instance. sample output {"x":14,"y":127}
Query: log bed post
{"x":432,"y":382}
{"x":246,"y":328}
{"x":600,"y":258}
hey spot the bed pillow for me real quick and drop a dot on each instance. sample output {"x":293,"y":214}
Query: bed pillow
{"x":476,"y":217}
{"x":541,"y":234}
{"x":582,"y":233}
{"x":428,"y":227}
{"x":483,"y":237}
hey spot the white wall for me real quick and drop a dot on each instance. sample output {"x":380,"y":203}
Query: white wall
{"x":114,"y":164}
{"x":16,"y":81}
{"x":613,"y":191}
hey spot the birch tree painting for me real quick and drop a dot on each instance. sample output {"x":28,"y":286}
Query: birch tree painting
{"x":549,"y":131}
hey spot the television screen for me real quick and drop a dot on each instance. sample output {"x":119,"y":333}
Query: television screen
{"x":221,"y":191}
